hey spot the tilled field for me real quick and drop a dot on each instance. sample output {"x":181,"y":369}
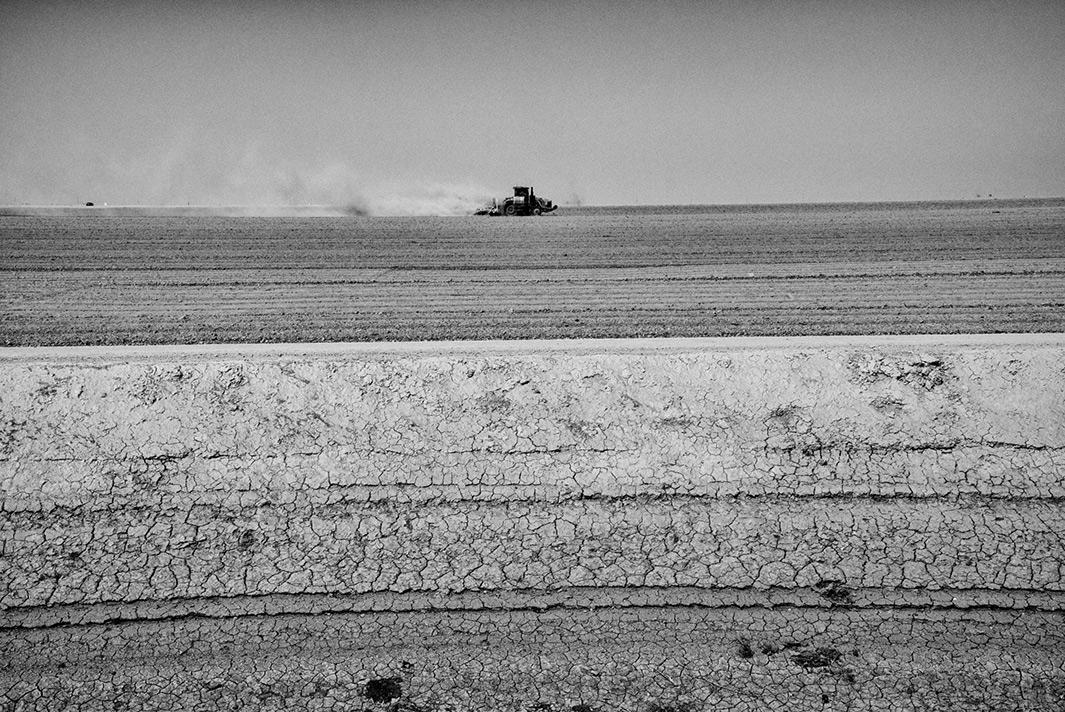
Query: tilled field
{"x":655,"y":526}
{"x":937,"y":268}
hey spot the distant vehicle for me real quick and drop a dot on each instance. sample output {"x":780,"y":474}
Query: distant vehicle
{"x":89,"y":204}
{"x":523,"y":202}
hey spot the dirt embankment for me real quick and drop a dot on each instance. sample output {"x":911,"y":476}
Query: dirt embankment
{"x":792,"y":525}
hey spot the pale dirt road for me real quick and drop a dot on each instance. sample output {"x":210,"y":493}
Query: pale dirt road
{"x":799,"y":524}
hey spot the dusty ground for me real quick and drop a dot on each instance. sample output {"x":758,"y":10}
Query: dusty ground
{"x":990,"y":267}
{"x":802,"y":524}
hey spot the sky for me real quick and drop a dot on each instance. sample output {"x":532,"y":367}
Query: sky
{"x":412,"y":106}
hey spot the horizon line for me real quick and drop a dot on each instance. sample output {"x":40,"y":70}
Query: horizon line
{"x":352,"y":207}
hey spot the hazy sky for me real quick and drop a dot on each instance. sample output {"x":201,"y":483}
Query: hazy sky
{"x":651,"y":102}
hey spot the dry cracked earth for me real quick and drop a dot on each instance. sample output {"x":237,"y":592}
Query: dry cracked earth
{"x":667,"y":526}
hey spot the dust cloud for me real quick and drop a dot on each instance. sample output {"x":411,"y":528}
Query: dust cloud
{"x":339,"y":188}
{"x":191,"y":180}
{"x":433,"y":199}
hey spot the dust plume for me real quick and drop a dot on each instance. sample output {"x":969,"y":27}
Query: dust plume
{"x":258,"y":180}
{"x":189,"y":179}
{"x":425,"y":199}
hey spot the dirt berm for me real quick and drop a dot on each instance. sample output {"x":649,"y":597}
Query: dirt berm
{"x":661,"y":526}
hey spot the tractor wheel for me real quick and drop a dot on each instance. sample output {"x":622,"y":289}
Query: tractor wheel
{"x":537,"y":211}
{"x":509,"y":209}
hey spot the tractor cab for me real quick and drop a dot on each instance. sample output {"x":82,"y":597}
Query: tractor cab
{"x":521,"y":201}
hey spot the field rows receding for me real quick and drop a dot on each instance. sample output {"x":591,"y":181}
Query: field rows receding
{"x":70,"y":280}
{"x":117,"y":307}
{"x":561,"y":241}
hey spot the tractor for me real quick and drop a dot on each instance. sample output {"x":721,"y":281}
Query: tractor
{"x":523,"y":202}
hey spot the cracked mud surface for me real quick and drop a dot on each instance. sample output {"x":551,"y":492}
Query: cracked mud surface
{"x":849,"y":526}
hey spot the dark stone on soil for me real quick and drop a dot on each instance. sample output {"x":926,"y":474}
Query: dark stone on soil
{"x":384,"y":689}
{"x":817,"y":658}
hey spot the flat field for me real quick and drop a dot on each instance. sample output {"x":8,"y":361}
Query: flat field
{"x":972,"y":267}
